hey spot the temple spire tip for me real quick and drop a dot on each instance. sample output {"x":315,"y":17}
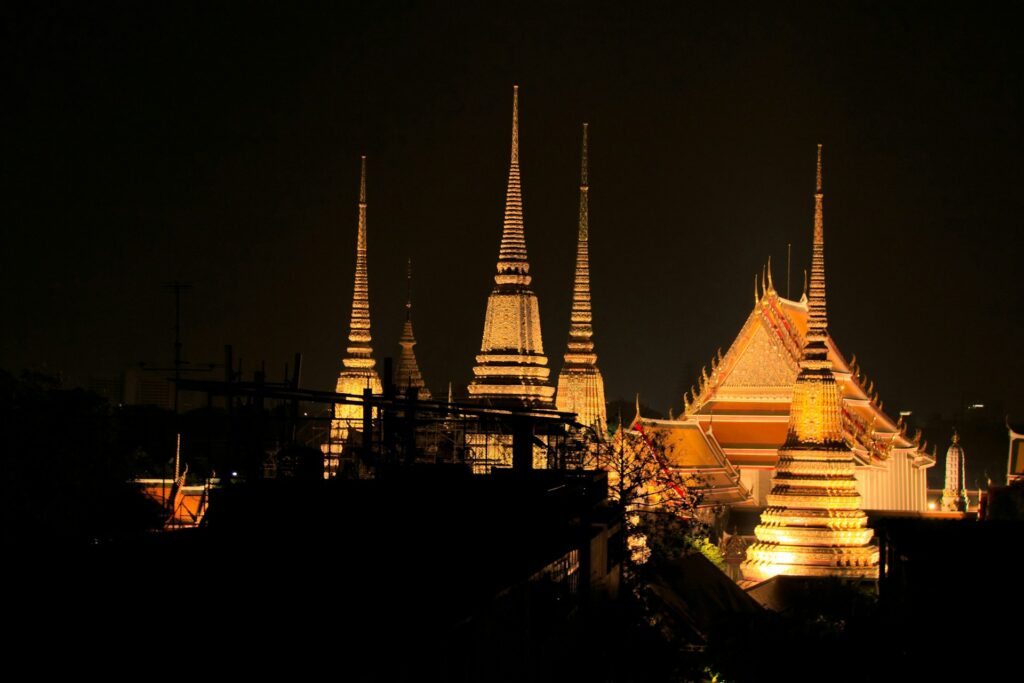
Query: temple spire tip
{"x":583,"y":163}
{"x":408,"y":288}
{"x":515,"y":124}
{"x":362,"y":179}
{"x":818,"y":185}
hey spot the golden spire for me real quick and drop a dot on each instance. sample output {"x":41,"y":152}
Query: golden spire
{"x":511,"y":368}
{"x":358,"y":371}
{"x":359,"y":359}
{"x":408,"y":373}
{"x":817,"y":319}
{"x":813,"y":525}
{"x":580,"y":384}
{"x":816,"y":419}
{"x":513,"y":267}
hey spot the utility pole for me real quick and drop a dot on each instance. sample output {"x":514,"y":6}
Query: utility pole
{"x":789,"y":258}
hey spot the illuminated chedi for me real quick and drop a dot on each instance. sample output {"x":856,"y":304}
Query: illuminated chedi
{"x":511,"y":368}
{"x":813,"y":525}
{"x":954,"y":493}
{"x":580,"y":385}
{"x":408,"y":374}
{"x":358,"y":372}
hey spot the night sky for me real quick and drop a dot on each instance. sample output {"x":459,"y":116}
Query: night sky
{"x":220,"y":146}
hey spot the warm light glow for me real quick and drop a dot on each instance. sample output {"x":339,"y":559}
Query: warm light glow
{"x":511,"y":366}
{"x":813,"y":525}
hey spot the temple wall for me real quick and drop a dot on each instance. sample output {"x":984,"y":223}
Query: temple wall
{"x":895,"y":484}
{"x":759,"y":482}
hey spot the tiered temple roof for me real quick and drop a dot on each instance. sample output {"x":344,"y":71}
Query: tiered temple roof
{"x":747,"y":392}
{"x":696,"y":457}
{"x":511,"y":368}
{"x":580,"y":385}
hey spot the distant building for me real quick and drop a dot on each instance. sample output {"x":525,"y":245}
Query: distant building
{"x":1015,"y":462}
{"x":954,"y":495}
{"x":136,"y":387}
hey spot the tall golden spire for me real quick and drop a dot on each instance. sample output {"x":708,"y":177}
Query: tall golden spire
{"x":513,"y":267}
{"x":816,"y":410}
{"x":358,"y":372}
{"x":580,"y":385}
{"x":511,"y":368}
{"x":813,"y":525}
{"x":360,"y":353}
{"x":408,"y":374}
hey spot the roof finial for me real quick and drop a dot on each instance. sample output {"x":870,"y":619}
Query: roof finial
{"x":515,"y":124}
{"x":361,"y":236}
{"x":362,"y":179}
{"x":513,"y":267}
{"x":637,"y":418}
{"x":408,"y":289}
{"x":771,"y":285}
{"x":757,"y":298}
{"x":818,"y":321}
{"x":583,"y":162}
{"x":818,"y":187}
{"x":764,"y":281}
{"x":956,"y":437}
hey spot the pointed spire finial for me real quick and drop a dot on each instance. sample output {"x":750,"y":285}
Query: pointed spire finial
{"x":771,"y":285}
{"x":819,"y":169}
{"x":817,"y":319}
{"x":637,"y":418}
{"x":956,"y":437}
{"x":515,"y":124}
{"x":583,"y":161}
{"x":361,"y":236}
{"x":513,"y":267}
{"x":408,"y":289}
{"x":757,"y":296}
{"x":362,"y":179}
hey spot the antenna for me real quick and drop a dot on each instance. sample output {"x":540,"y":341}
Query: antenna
{"x":789,"y":259}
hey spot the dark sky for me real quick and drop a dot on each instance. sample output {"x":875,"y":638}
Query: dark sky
{"x":219,"y":144}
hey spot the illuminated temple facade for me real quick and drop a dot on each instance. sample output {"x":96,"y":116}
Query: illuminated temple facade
{"x":358,"y":370}
{"x":744,"y":400}
{"x":580,"y":385}
{"x":511,"y":368}
{"x":408,"y":375}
